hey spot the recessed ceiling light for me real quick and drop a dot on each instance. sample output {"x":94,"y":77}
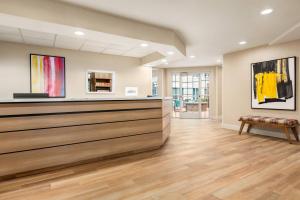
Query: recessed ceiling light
{"x":144,"y":45}
{"x":218,"y":61}
{"x":266,"y":11}
{"x":192,"y":56}
{"x":164,"y":60}
{"x":170,"y":52}
{"x":242,"y":42}
{"x":80,"y":33}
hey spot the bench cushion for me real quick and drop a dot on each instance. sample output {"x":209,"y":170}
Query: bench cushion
{"x":270,"y":120}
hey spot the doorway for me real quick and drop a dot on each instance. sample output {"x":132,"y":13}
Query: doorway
{"x":190,"y":93}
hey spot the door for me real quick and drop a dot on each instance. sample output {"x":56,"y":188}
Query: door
{"x":190,"y":95}
{"x":204,"y":95}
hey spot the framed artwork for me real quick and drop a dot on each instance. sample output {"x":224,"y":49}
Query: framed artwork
{"x":131,"y":91}
{"x":273,"y":84}
{"x":47,"y":75}
{"x":100,"y":81}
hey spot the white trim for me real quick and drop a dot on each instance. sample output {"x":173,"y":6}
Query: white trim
{"x":219,"y":117}
{"x":230,"y":126}
{"x":268,"y":133}
{"x":255,"y":131}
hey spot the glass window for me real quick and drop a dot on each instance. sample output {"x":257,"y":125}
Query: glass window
{"x":184,"y":78}
{"x":154,"y":86}
{"x":195,"y":78}
{"x":176,"y":86}
{"x":189,"y":87}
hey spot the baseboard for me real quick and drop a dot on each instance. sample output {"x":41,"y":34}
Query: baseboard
{"x":230,"y":126}
{"x":258,"y":131}
{"x":218,"y":118}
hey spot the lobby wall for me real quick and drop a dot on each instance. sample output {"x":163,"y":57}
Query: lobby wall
{"x":237,"y":84}
{"x":15,"y":70}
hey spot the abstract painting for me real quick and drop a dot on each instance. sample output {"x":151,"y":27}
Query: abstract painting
{"x":47,"y":75}
{"x":273,"y":84}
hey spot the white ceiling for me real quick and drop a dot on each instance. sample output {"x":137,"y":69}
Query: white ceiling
{"x":20,"y":35}
{"x":211,"y":28}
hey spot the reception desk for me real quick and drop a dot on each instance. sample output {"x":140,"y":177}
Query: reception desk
{"x":38,"y":135}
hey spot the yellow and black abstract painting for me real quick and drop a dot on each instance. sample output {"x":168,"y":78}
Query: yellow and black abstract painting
{"x":273,"y":84}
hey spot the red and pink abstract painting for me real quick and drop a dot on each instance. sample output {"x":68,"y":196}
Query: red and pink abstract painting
{"x":48,"y":75}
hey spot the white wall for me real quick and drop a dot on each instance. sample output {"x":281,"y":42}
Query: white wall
{"x":219,"y":91}
{"x":15,"y":70}
{"x":237,"y":82}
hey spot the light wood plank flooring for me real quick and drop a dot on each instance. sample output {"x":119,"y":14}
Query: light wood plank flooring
{"x":199,"y":161}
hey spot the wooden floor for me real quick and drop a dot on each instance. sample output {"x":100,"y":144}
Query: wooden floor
{"x":200,"y":161}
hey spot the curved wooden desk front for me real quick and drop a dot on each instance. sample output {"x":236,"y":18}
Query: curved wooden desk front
{"x":43,"y":135}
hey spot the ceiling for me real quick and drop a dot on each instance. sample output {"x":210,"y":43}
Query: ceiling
{"x":130,"y":48}
{"x":41,"y":32}
{"x":211,"y":28}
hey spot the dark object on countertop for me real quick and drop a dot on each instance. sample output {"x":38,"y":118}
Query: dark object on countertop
{"x":30,"y":95}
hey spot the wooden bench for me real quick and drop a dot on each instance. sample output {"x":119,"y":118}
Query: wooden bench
{"x":280,"y":123}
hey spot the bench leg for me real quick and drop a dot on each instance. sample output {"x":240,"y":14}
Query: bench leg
{"x":241,"y":128}
{"x":249,"y":128}
{"x":286,"y":131}
{"x":294,"y":129}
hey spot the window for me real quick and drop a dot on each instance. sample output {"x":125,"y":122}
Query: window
{"x":190,"y":87}
{"x":190,"y":93}
{"x":176,"y":86}
{"x":204,"y":87}
{"x":154,"y":86}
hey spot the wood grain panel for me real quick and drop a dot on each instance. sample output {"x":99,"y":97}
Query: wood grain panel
{"x":33,"y":108}
{"x":165,"y":133}
{"x":166,"y":120}
{"x":35,"y":136}
{"x":41,"y":138}
{"x":46,"y":121}
{"x":166,"y":107}
{"x":37,"y":159}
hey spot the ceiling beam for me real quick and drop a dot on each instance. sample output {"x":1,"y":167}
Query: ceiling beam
{"x":153,"y":57}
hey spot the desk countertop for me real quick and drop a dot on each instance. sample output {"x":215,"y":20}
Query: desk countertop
{"x":75,"y":99}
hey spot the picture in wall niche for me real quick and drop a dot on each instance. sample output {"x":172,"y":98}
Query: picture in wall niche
{"x":47,"y":75}
{"x":274,"y":84}
{"x":100,"y":81}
